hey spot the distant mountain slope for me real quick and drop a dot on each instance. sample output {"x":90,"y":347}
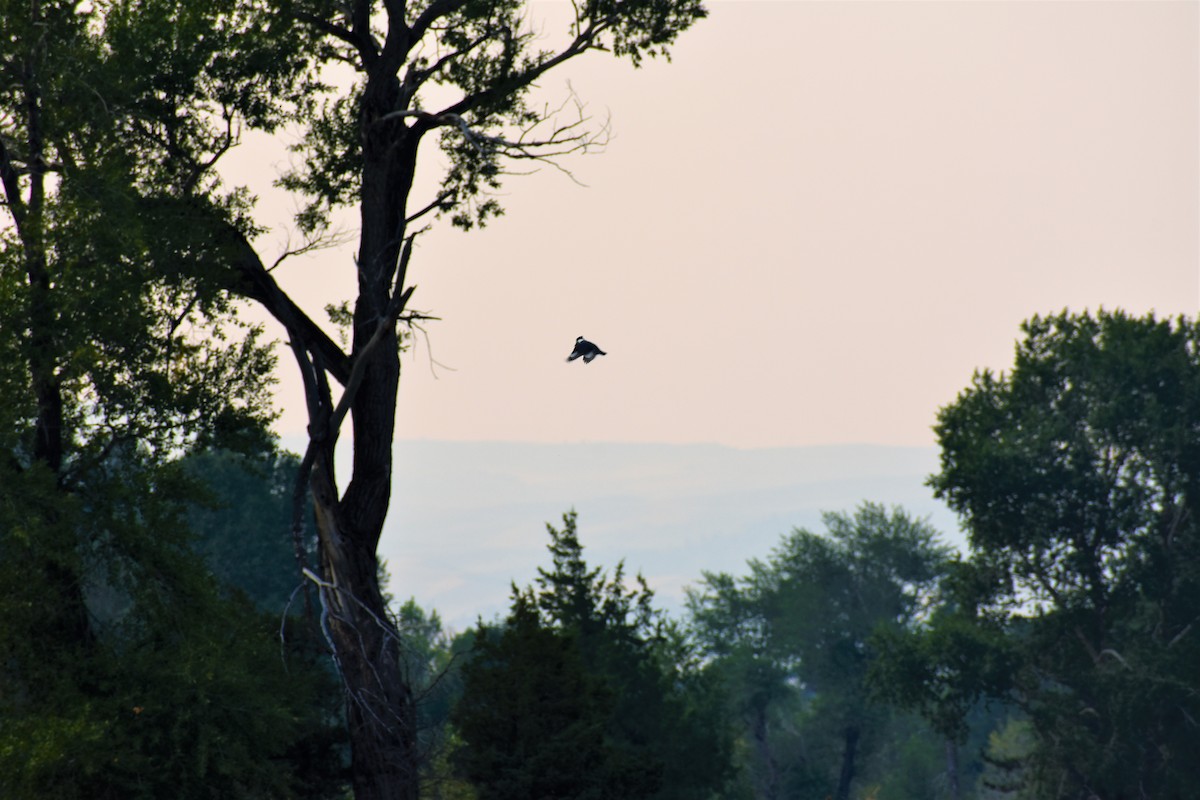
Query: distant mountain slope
{"x":468,"y":518}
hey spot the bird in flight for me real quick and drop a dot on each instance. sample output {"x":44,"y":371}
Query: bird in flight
{"x":586,"y":349}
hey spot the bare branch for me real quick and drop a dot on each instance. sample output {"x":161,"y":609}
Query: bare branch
{"x":324,"y":619}
{"x":400,"y":273}
{"x":360,"y":359}
{"x":1186,"y":630}
{"x":174,"y":323}
{"x":329,"y":28}
{"x":584,"y":41}
{"x":227,"y":140}
{"x":1189,"y":716}
{"x":416,"y":77}
{"x":1108,"y":651}
{"x":563,"y":140}
{"x":429,"y":351}
{"x":311,"y":245}
{"x":439,"y":204}
{"x":332,"y":590}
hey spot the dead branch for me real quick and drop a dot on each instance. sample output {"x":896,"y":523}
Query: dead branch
{"x":312,"y":244}
{"x":324,"y":619}
{"x":1186,"y":630}
{"x":1108,"y":651}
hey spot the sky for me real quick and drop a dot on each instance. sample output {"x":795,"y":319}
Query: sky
{"x":809,"y":228}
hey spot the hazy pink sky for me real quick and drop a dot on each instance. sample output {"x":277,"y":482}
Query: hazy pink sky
{"x":810,"y":228}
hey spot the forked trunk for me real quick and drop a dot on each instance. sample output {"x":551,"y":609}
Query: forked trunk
{"x":380,"y":706}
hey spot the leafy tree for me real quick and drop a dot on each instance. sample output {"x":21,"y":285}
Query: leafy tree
{"x":793,"y":640}
{"x":1077,"y":476}
{"x":164,"y":687}
{"x":460,"y":70}
{"x":125,"y":673}
{"x":586,"y":693}
{"x":532,"y":720}
{"x":116,"y":348}
{"x":126,"y":108}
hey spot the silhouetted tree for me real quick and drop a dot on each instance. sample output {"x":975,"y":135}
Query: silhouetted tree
{"x":585,"y":693}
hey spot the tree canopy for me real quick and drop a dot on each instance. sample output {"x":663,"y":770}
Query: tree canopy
{"x":127,"y":673}
{"x":793,"y":642}
{"x":1077,"y":475}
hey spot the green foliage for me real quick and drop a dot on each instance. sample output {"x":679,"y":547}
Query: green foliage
{"x":332,"y":153}
{"x":127,"y":674}
{"x":243,"y":523}
{"x":1007,"y":756}
{"x":532,"y":721}
{"x":975,"y":660}
{"x":793,"y":643}
{"x":431,"y":659}
{"x":123,"y":349}
{"x":1075,"y":467}
{"x":586,"y":693}
{"x":1078,"y":477}
{"x":113,"y":118}
{"x":477,"y":61}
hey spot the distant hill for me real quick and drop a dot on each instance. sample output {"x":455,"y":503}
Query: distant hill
{"x":468,"y":518}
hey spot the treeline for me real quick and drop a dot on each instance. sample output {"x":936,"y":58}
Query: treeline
{"x":1056,"y":658}
{"x":158,"y":641}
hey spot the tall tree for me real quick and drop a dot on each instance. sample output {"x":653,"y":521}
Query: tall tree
{"x":115,"y":335}
{"x":120,"y":350}
{"x":1077,"y":476}
{"x":460,"y":71}
{"x":100,"y":367}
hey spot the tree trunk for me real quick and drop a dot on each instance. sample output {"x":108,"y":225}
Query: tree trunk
{"x":843,"y":790}
{"x":72,"y":621}
{"x":380,"y":703}
{"x":952,"y":769}
{"x":29,"y":215}
{"x":769,"y":781}
{"x":380,"y":707}
{"x":380,"y":710}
